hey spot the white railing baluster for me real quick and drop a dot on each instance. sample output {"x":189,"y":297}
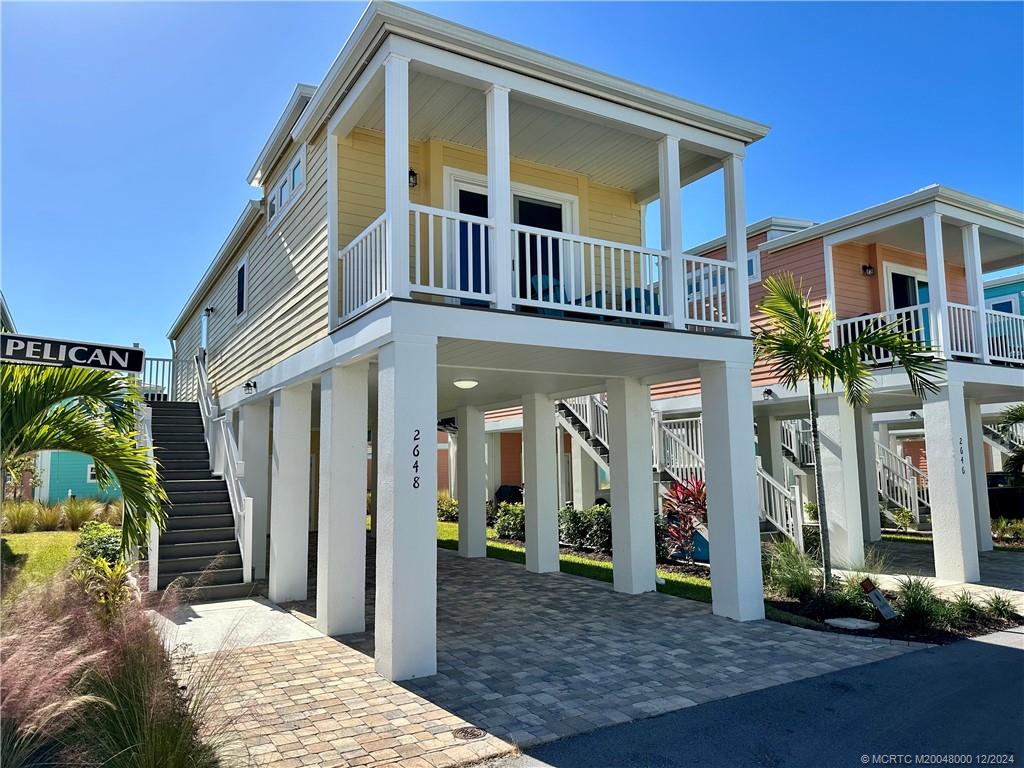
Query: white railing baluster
{"x":1005,"y":336}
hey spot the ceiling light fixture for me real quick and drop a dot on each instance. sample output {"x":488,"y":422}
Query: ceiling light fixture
{"x":465,"y":383}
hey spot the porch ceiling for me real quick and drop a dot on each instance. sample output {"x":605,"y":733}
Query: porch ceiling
{"x":540,"y":133}
{"x":998,"y":250}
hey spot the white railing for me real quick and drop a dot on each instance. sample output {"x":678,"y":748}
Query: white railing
{"x":900,"y":482}
{"x":963,"y":321}
{"x":914,"y":322}
{"x":592,"y":411}
{"x":559,"y":271}
{"x":689,"y":430}
{"x":144,"y":430}
{"x":707,"y":287}
{"x":1005,"y":336}
{"x":781,"y":506}
{"x":677,"y":458}
{"x":157,"y":379}
{"x":225,"y":461}
{"x":796,"y":438}
{"x":449,"y":253}
{"x":364,"y":270}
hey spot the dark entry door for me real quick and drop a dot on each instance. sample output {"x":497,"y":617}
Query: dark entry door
{"x":473,"y":245}
{"x":539,"y":266}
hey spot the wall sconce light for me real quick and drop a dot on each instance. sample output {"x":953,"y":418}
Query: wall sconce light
{"x":208,"y":311}
{"x":915,"y":415}
{"x":867,"y":269}
{"x":249,"y":387}
{"x":414,"y":179}
{"x":768,"y":394}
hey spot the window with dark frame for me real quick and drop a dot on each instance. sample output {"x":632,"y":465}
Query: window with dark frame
{"x":240,"y":289}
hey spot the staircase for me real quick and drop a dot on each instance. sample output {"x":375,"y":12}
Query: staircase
{"x":200,"y":545}
{"x":677,"y":448}
{"x":1006,"y":441}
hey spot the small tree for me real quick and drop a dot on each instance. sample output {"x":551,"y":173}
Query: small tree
{"x":797,"y":345}
{"x":685,"y":506}
{"x":15,"y":474}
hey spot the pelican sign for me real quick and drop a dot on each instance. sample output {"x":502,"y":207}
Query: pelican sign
{"x":63,"y":353}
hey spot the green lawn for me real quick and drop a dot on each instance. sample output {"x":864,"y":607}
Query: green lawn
{"x":677,"y":584}
{"x":35,"y":557}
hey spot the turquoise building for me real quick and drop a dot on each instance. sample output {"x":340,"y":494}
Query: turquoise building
{"x":63,"y":473}
{"x":1006,"y":294}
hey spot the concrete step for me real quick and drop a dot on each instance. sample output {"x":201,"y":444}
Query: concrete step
{"x":199,"y":563}
{"x":199,"y":548}
{"x":208,"y":535}
{"x":203,"y":578}
{"x":195,"y":522}
{"x":173,"y":429}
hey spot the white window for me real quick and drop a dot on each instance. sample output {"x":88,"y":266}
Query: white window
{"x":287,"y":187}
{"x":1004,"y":304}
{"x":242,"y":287}
{"x":90,"y":473}
{"x":754,"y":266}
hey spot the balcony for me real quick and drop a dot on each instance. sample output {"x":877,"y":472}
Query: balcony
{"x":553,"y":274}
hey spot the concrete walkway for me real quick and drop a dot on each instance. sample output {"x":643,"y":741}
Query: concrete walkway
{"x":960,"y":699}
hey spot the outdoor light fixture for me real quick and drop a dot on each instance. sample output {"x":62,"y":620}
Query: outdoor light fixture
{"x":414,"y":178}
{"x":767,"y":394}
{"x":208,"y":311}
{"x":465,"y":383}
{"x":249,"y":387}
{"x":915,"y":415}
{"x":867,"y":269}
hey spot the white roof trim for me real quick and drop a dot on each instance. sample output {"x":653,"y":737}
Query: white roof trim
{"x":281,"y":133}
{"x":1005,"y":280}
{"x":5,"y":314}
{"x":771,"y":224}
{"x":382,"y":18}
{"x":252,"y":211}
{"x":931,"y":193}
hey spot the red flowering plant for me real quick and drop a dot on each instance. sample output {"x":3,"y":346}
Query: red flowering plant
{"x":685,"y":506}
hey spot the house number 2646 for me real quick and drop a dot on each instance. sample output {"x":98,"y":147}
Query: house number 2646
{"x":415,"y":458}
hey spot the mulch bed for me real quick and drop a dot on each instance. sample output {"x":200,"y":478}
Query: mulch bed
{"x":700,"y":570}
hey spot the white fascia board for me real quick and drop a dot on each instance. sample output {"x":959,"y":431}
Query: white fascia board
{"x":1007,"y":280}
{"x":383,"y":18}
{"x":957,"y":204}
{"x":770,"y":224}
{"x":6,"y":318}
{"x":268,"y":155}
{"x":250,"y":213}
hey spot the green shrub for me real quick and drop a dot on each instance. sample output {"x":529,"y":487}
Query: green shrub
{"x":1017,"y":530}
{"x":572,"y":526}
{"x":19,"y":516}
{"x":77,"y":512}
{"x":788,"y":571}
{"x":109,"y":585}
{"x":48,"y":518}
{"x":811,"y":511}
{"x":918,"y":605}
{"x":662,"y":544}
{"x":1000,"y":607}
{"x":903,"y":518}
{"x":491,"y":512}
{"x":1002,"y":528}
{"x":599,"y":527}
{"x":100,"y":540}
{"x":812,"y":541}
{"x":510,"y":522}
{"x":961,"y":611}
{"x":843,"y":599}
{"x":447,"y":508}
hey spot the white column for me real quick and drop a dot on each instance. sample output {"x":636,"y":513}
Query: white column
{"x":493,"y":463}
{"x":405,"y":632}
{"x":871,"y":520}
{"x":937,"y":301}
{"x":837,"y":431}
{"x":979,"y":477}
{"x":341,"y":537}
{"x":472,"y":483}
{"x":396,"y":169}
{"x":540,"y":495}
{"x":769,"y":444}
{"x":673,"y":291}
{"x":976,"y":288}
{"x":332,"y":230}
{"x":289,"y":495}
{"x":997,"y":459}
{"x":950,"y":485}
{"x":584,"y":477}
{"x":736,"y":242}
{"x":629,"y":461}
{"x":733,"y":525}
{"x":373,"y":470}
{"x":254,"y":447}
{"x":499,"y":194}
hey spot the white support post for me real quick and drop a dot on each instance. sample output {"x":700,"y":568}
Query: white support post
{"x":539,"y":490}
{"x":629,"y":460}
{"x":736,"y":243}
{"x":333,"y":266}
{"x":950,"y":485}
{"x":372,"y":469}
{"x":341,"y":536}
{"x":472,"y":483}
{"x":584,"y":477}
{"x":976,"y":446}
{"x":840,"y":471}
{"x":830,"y":287}
{"x":254,"y":447}
{"x":396,"y":170}
{"x":769,"y":445}
{"x":938,"y":308}
{"x":289,"y":496}
{"x":493,"y":463}
{"x":405,"y":632}
{"x":673,"y":290}
{"x":976,"y":288}
{"x":499,"y":195}
{"x":734,"y":532}
{"x":871,"y":513}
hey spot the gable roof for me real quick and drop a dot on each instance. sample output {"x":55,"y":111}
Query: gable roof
{"x":281,"y":134}
{"x":771,"y":224}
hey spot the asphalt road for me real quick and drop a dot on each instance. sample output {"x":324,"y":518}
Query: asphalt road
{"x":961,"y":699}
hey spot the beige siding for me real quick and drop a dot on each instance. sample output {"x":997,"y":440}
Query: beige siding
{"x":185,"y":349}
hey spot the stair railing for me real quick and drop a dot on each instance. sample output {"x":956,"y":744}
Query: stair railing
{"x":900,"y":482}
{"x":225,"y":461}
{"x":144,"y":431}
{"x":781,"y":506}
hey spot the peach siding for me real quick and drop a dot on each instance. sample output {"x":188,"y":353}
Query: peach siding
{"x":511,"y":458}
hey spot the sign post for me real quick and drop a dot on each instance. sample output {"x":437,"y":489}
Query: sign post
{"x":36,"y":350}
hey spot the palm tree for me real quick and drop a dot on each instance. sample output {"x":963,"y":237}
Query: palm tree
{"x":1009,"y":418}
{"x":797,"y":346}
{"x":91,"y":412}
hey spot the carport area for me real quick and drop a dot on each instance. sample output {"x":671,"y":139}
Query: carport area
{"x":525,"y":657}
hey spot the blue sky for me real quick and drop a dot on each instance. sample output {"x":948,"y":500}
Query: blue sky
{"x":128,"y":129}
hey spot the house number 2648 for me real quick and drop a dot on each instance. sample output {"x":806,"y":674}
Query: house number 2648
{"x":415,"y":458}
